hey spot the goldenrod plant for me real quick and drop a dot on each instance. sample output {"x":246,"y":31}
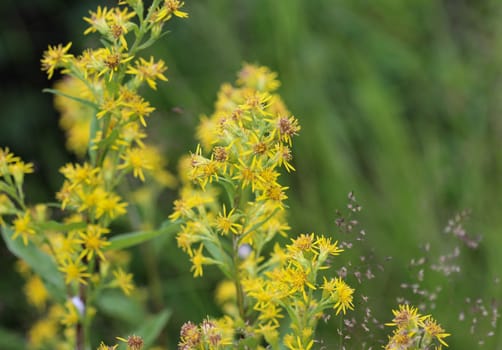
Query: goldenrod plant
{"x":231,"y":212}
{"x":232,"y":206}
{"x":414,"y":331}
{"x":66,"y":252}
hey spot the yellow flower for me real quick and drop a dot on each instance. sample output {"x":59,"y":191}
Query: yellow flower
{"x":42,"y":332}
{"x":325,"y":246}
{"x":148,"y":71}
{"x":74,"y":271}
{"x":80,"y":174}
{"x":343,"y":296}
{"x":90,"y":199}
{"x":23,"y":227}
{"x":35,"y":291}
{"x":110,"y":60}
{"x":283,"y":157}
{"x":226,"y":222}
{"x":123,"y":281}
{"x":434,"y":330}
{"x":64,"y":246}
{"x":259,"y":78}
{"x":18,"y":169}
{"x":248,"y":174}
{"x":55,"y":57}
{"x":139,"y":108}
{"x":110,"y":104}
{"x":97,"y":20}
{"x":303,"y":243}
{"x":287,"y":127}
{"x":173,"y":7}
{"x":198,"y":259}
{"x":271,"y":313}
{"x":225,"y":292}
{"x":110,"y":206}
{"x":134,"y":159}
{"x":118,"y":21}
{"x":93,"y":242}
{"x":6,"y":158}
{"x":407,"y":316}
{"x":295,"y":343}
{"x":70,"y":317}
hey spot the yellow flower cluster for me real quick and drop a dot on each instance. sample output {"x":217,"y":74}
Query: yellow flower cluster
{"x":232,"y":205}
{"x":242,"y":146}
{"x":415,"y":331}
{"x":209,"y":335}
{"x":291,"y":283}
{"x":105,"y":119}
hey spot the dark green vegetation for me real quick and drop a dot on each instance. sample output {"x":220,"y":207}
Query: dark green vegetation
{"x":399,"y":102}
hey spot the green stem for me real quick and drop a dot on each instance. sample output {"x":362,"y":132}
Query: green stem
{"x":341,"y":333}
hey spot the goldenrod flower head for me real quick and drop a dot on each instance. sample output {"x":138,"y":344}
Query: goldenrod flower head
{"x":134,"y":342}
{"x":173,"y":7}
{"x":326,"y":247}
{"x":42,"y":332}
{"x":119,"y":24}
{"x":18,"y":169}
{"x":64,"y":246}
{"x":303,"y":243}
{"x":433,"y":330}
{"x":225,"y":292}
{"x":74,"y":270}
{"x":343,"y":295}
{"x":23,"y":226}
{"x":135,"y":160}
{"x":401,"y":339}
{"x":407,"y":317}
{"x":55,"y":57}
{"x":123,"y":281}
{"x":71,"y":314}
{"x":35,"y":292}
{"x":190,"y":336}
{"x":293,"y":342}
{"x":198,"y":259}
{"x":225,"y":223}
{"x":148,"y":71}
{"x":98,"y":21}
{"x":259,"y":78}
{"x":137,"y":108}
{"x":93,"y":242}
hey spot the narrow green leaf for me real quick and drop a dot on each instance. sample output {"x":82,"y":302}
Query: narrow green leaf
{"x":117,"y":305}
{"x":41,"y":263}
{"x":152,"y":327}
{"x":131,"y":239}
{"x":78,"y":99}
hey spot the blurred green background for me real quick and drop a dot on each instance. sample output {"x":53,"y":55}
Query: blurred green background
{"x":399,"y":101}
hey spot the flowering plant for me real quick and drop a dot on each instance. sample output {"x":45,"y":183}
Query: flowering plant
{"x":231,"y":210}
